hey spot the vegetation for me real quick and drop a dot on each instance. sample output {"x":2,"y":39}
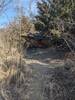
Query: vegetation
{"x":54,"y":14}
{"x":38,"y":77}
{"x":56,"y":17}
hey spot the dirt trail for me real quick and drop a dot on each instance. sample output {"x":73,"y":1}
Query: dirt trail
{"x":42,"y":62}
{"x":39,"y":67}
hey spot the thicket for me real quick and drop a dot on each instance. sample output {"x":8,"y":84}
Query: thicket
{"x":56,"y":17}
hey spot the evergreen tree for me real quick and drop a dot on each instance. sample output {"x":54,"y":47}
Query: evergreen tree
{"x":55,"y":14}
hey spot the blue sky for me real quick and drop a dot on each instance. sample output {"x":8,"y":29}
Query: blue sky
{"x":10,"y":13}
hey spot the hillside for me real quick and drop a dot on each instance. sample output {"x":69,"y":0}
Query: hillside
{"x":37,"y":49}
{"x":43,"y":75}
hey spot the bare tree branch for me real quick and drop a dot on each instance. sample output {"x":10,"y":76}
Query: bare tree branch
{"x":3,"y":5}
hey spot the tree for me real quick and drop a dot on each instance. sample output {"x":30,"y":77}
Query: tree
{"x":12,"y":34}
{"x":54,"y":14}
{"x":3,"y":5}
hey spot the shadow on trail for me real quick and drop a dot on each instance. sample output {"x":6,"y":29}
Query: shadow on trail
{"x":45,"y":55}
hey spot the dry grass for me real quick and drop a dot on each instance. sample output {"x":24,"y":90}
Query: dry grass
{"x":6,"y":74}
{"x":18,"y":81}
{"x":7,"y":62}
